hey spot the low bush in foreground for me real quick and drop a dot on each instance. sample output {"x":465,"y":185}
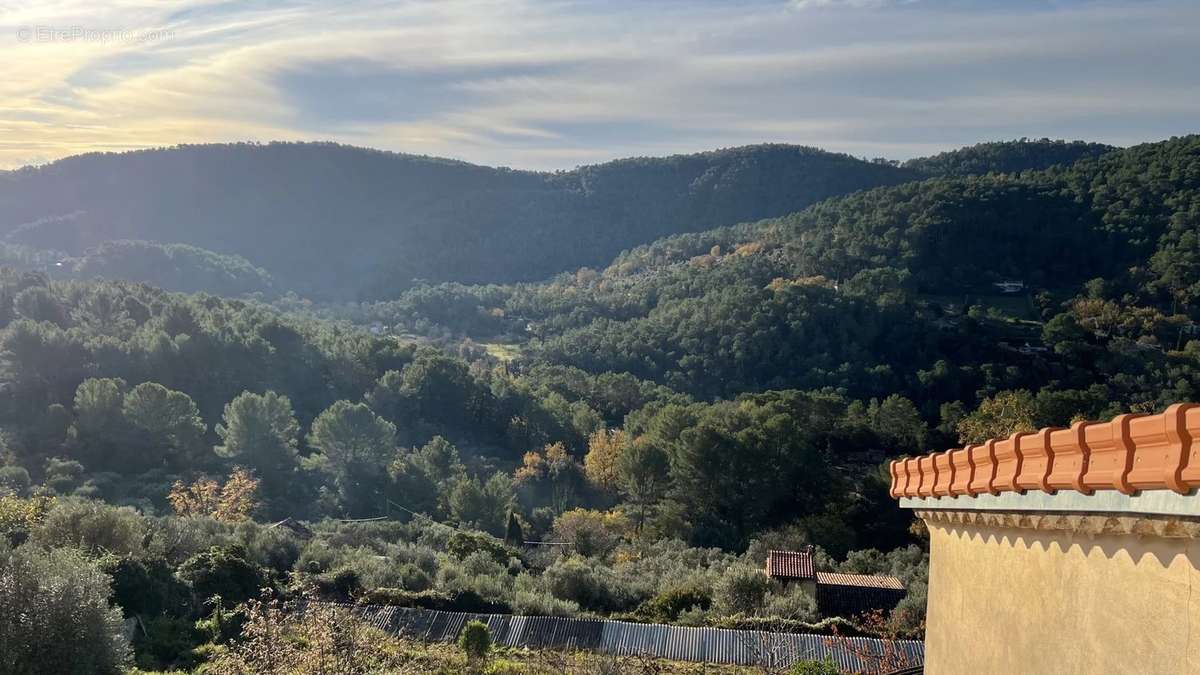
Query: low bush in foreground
{"x":55,"y":616}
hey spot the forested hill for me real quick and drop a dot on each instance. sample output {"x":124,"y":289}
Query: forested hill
{"x":342,"y":222}
{"x":1006,"y":157}
{"x":891,"y":291}
{"x":701,"y":400}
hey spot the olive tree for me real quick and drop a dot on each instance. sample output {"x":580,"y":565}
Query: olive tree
{"x":55,"y":616}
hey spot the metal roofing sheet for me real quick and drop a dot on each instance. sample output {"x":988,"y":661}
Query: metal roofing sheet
{"x":619,"y":638}
{"x":859,"y":580}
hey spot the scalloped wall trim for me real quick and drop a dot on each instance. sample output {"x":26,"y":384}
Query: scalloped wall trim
{"x":1167,"y":527}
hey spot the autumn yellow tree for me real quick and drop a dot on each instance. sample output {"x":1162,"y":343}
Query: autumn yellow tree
{"x":998,"y":416}
{"x":21,"y":515}
{"x":551,"y":475}
{"x":600,"y":463}
{"x":592,"y":532}
{"x":231,"y":502}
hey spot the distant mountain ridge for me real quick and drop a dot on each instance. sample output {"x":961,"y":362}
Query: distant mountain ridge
{"x":344,"y":222}
{"x":339,"y":222}
{"x":1006,"y":157}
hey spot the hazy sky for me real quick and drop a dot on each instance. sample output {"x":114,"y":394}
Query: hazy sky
{"x":556,"y":84}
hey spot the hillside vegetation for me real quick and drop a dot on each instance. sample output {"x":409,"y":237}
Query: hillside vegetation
{"x":336,"y":223}
{"x":891,"y":291}
{"x":341,"y":222}
{"x":1006,"y":157}
{"x":626,"y":440}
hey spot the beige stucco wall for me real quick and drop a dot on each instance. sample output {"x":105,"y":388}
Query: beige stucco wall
{"x":1007,"y":599}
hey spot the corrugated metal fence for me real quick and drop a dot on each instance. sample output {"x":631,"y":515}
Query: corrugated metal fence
{"x":619,"y":638}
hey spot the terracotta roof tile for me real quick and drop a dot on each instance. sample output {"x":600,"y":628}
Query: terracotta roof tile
{"x":790,"y":564}
{"x":1128,"y":453}
{"x":859,"y":580}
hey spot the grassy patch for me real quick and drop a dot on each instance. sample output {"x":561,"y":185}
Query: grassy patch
{"x":502,"y":351}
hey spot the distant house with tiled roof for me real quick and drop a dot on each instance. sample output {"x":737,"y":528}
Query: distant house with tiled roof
{"x":790,"y":565}
{"x":849,"y":595}
{"x":793,"y":567}
{"x":836,"y":594}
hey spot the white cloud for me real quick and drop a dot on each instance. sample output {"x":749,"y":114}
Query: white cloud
{"x":856,"y":4}
{"x":547,"y":85}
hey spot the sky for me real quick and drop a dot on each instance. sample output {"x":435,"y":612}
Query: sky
{"x":556,"y":84}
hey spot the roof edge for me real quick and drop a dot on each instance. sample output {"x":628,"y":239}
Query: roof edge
{"x":1127,"y":455}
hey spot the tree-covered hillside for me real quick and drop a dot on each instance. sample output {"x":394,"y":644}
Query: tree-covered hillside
{"x":341,"y":222}
{"x":1006,"y":157}
{"x":892,"y":290}
{"x":627,"y":440}
{"x":134,"y":387}
{"x":173,"y":267}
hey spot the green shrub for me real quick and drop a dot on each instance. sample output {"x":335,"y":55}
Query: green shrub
{"x":14,"y":479}
{"x":741,"y":590}
{"x":830,"y":626}
{"x":223,"y":572}
{"x":908,"y":618}
{"x":55,"y":616}
{"x":166,"y":644}
{"x":414,"y":578}
{"x":317,"y":557}
{"x":147,"y":587}
{"x":471,"y":601}
{"x":399,"y":566}
{"x":176,"y":539}
{"x":222,"y":625}
{"x":475,"y":641}
{"x":457,"y":601}
{"x":693,"y":617}
{"x":542,"y":603}
{"x":669,"y":604}
{"x":92,"y":526}
{"x":792,"y":602}
{"x":339,"y":584}
{"x":370,"y":534}
{"x":274,"y":548}
{"x":589,"y":584}
{"x":463,"y":544}
{"x":63,"y":476}
{"x":649,"y":569}
{"x":530,"y":598}
{"x":385,"y":571}
{"x":400,"y":597}
{"x":481,"y":562}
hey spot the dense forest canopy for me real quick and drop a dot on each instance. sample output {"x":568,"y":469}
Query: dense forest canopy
{"x":653,"y":423}
{"x":889,"y":290}
{"x":1006,"y":157}
{"x":173,"y":267}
